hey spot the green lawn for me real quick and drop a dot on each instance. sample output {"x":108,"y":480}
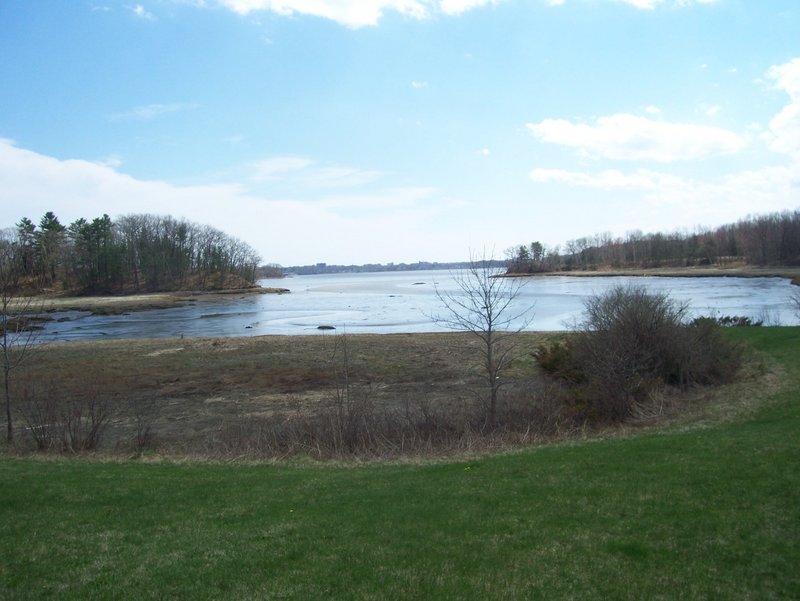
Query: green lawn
{"x":703,"y":513}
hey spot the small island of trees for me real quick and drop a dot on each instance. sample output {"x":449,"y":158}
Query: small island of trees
{"x":131,"y":254}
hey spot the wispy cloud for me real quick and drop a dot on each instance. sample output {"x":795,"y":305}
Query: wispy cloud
{"x":352,"y":13}
{"x":456,"y":7}
{"x":417,"y":85}
{"x":363,"y":13}
{"x":141,"y":12}
{"x":151,"y":111}
{"x":632,"y":138}
{"x":307,"y":173}
{"x":344,"y":226}
{"x":271,"y":169}
{"x":784,"y":129}
{"x":735,"y":194}
{"x":653,"y":4}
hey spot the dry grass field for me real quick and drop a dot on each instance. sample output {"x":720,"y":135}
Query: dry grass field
{"x":193,"y":387}
{"x":218,"y":396}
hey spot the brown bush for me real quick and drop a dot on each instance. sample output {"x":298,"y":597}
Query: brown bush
{"x":633,"y":342}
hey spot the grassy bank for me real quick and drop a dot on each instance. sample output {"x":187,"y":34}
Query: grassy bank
{"x":692,"y":513}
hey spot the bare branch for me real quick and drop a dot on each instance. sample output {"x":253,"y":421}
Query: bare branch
{"x":486,"y":305}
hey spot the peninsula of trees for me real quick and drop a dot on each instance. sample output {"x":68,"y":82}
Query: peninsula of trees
{"x":133,"y":253}
{"x":766,"y":240}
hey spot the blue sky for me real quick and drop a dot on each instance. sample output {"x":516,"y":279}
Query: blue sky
{"x":353,"y":131}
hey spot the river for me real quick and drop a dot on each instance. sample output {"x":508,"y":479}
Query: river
{"x":405,"y":301}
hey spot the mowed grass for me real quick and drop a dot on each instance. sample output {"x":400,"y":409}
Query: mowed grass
{"x":704,"y":512}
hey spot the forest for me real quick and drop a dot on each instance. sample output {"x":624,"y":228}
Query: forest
{"x":133,"y":253}
{"x":765,"y":240}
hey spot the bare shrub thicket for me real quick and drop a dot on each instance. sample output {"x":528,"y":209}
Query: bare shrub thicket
{"x":632,"y":343}
{"x":143,"y":413}
{"x":367,"y":429}
{"x":65,"y":424}
{"x":353,"y":423}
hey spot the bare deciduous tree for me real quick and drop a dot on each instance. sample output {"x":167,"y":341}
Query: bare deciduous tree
{"x":16,"y":310}
{"x":486,"y":305}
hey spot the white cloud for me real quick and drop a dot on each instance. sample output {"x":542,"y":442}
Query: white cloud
{"x":713,"y":111}
{"x":418,"y":85}
{"x":456,"y":7}
{"x":652,"y":110}
{"x":787,"y":78}
{"x":350,"y":228}
{"x":686,"y":201}
{"x":644,"y":4}
{"x":610,"y":179}
{"x":653,"y":4}
{"x":270,"y":169}
{"x":784,"y":129}
{"x":151,"y":111}
{"x":485,"y":152}
{"x":631,"y":138}
{"x":652,"y":196}
{"x":362,"y":13}
{"x":141,"y":12}
{"x":304,"y":172}
{"x":352,"y":13}
{"x":356,"y":13}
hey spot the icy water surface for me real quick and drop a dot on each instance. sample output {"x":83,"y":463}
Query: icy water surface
{"x":404,"y":301}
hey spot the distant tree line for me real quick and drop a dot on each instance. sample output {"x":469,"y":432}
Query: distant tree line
{"x":320,"y":268}
{"x":134,"y":253}
{"x":763,"y":240}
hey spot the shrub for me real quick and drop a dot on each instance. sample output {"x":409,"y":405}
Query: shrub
{"x":730,"y":321}
{"x":633,"y":341}
{"x":557,"y":359}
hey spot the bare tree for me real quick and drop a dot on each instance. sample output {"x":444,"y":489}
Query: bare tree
{"x":16,"y":310}
{"x":485,"y":304}
{"x":795,"y":299}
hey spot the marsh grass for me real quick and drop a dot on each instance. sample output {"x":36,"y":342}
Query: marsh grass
{"x":198,"y":395}
{"x":707,"y":512}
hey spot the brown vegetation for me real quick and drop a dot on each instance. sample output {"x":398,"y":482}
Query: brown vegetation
{"x":319,"y":396}
{"x":200,"y":391}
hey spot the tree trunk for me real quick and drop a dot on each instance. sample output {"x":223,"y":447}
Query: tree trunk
{"x":6,"y":370}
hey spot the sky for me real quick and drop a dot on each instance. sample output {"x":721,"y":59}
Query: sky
{"x":376,"y":131}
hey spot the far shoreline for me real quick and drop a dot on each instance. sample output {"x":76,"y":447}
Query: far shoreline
{"x":790,"y":273}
